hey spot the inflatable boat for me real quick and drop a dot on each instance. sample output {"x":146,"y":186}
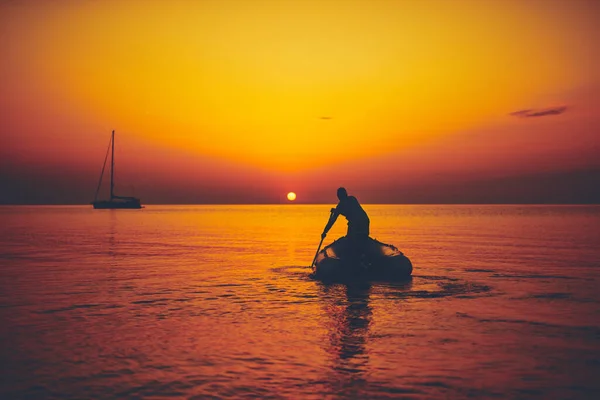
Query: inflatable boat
{"x":365,"y":260}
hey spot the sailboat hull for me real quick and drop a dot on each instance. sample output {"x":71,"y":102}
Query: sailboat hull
{"x":108,"y":204}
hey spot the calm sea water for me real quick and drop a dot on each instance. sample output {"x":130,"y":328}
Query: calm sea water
{"x":216,"y":302}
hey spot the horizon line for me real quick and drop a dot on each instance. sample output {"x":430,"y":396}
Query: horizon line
{"x":309,"y":204}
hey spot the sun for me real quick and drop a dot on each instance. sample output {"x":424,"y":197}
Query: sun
{"x":291,"y":196}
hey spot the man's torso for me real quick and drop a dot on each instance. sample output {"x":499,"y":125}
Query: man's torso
{"x":351,"y":209}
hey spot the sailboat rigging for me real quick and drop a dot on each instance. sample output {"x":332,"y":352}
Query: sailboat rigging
{"x":114,"y":201}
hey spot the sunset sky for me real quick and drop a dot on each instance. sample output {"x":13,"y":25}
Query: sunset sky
{"x":243,"y":101}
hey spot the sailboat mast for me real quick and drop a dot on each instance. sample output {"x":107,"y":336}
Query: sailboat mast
{"x":112,"y":165}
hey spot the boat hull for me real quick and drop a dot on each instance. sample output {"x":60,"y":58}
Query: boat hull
{"x":107,"y":204}
{"x":367,"y":260}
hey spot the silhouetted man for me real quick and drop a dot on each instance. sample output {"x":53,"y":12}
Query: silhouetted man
{"x":358,"y":221}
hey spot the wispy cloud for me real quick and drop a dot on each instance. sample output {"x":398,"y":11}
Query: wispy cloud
{"x":541,"y":112}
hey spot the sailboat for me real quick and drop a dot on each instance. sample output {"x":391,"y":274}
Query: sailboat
{"x":114,"y":201}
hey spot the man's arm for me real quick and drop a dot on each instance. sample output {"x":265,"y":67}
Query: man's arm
{"x":332,"y":219}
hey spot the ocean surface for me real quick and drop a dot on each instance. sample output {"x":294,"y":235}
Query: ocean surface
{"x":216,"y":302}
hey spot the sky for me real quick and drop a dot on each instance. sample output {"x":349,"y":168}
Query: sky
{"x":432,"y":101}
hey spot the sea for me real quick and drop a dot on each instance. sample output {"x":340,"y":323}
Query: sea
{"x":217,"y":301}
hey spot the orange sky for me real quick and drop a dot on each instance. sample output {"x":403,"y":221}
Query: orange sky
{"x":250,"y":99}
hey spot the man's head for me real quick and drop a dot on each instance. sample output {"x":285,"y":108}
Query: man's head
{"x":342,"y":193}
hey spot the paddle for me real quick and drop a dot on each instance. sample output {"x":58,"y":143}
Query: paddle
{"x":316,"y":254}
{"x":320,"y":243}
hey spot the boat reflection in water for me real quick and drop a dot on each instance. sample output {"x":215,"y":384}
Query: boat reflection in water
{"x":114,"y":201}
{"x":350,"y":311}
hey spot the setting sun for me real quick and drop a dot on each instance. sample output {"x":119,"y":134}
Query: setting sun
{"x":291,"y":196}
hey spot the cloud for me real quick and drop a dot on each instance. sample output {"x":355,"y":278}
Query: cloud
{"x":539,"y":112}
